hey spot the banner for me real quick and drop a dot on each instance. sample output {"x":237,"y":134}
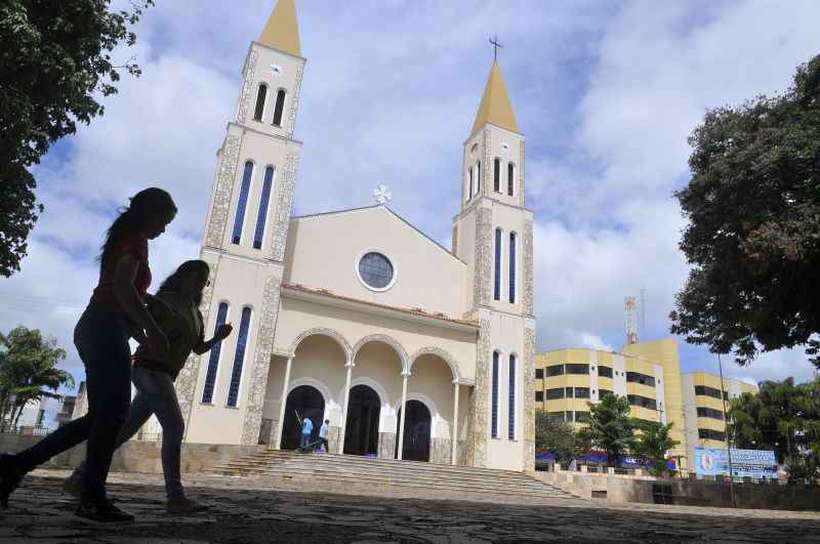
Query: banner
{"x":755,"y":464}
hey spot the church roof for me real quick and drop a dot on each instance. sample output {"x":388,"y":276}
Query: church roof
{"x":495,"y":107}
{"x":281,"y":31}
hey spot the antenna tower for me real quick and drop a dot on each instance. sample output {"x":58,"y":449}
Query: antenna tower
{"x":631,"y":325}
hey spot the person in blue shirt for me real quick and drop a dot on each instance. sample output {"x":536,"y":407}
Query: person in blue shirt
{"x":323,"y":436}
{"x":307,"y":429}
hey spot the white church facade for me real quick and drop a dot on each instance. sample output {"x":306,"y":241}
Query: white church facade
{"x":412,"y":350}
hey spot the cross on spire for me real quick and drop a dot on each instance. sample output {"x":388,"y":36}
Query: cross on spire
{"x":496,"y":44}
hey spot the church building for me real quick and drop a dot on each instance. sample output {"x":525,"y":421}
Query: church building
{"x":410,"y":349}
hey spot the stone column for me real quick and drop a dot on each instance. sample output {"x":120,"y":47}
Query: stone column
{"x":404,"y":376}
{"x":349,"y":366}
{"x":454,"y":437}
{"x":282,"y":405}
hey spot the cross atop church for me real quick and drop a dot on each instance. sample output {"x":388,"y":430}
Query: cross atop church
{"x":496,"y":45}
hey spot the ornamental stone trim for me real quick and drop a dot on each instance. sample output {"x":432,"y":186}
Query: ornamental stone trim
{"x":247,"y":87}
{"x":440,"y":451}
{"x":528,"y":292}
{"x":483,"y":256}
{"x":442,"y":354}
{"x":477,"y":454}
{"x":284,"y":203}
{"x":487,"y":141}
{"x":294,"y":101}
{"x":529,"y":405}
{"x":223,"y":190}
{"x":258,"y":379}
{"x":387,"y":445}
{"x":323,"y":331}
{"x":390,"y":341}
{"x":521,"y":192}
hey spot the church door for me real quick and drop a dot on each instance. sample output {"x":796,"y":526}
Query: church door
{"x":416,"y":432}
{"x":362,"y":429}
{"x":304,"y":401}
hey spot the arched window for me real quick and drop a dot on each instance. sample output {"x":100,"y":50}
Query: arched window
{"x":511,"y":405}
{"x":264,"y":201}
{"x":470,"y":175}
{"x":279,"y":108}
{"x":512,"y":267}
{"x":497,"y":175}
{"x":261,"y":94}
{"x":478,"y":177}
{"x":497,"y":277}
{"x":510,"y":178}
{"x":239,"y":357}
{"x":494,"y":412}
{"x":244,"y":190}
{"x":213,"y":359}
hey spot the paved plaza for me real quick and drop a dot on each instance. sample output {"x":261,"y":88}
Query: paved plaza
{"x":241,"y":514}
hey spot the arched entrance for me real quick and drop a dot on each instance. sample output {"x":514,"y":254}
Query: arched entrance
{"x":416,"y":432}
{"x":362,"y":429}
{"x":306,"y":401}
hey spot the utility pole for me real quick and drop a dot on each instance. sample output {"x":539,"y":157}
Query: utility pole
{"x":728,"y":439}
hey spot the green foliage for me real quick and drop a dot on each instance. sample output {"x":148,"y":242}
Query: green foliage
{"x":753,"y":205}
{"x":652,"y":443}
{"x":557,"y":437}
{"x":28,"y":372}
{"x":610,"y":427}
{"x":784,"y":417}
{"x":55,"y":63}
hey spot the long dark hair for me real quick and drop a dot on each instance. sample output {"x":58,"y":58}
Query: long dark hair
{"x":187,"y":268}
{"x":144,"y":205}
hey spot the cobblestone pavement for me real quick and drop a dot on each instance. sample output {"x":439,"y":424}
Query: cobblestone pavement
{"x":41,"y":513}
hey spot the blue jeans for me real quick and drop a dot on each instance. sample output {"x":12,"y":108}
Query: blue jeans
{"x":305,"y":440}
{"x":155,"y":395}
{"x":101,"y":337}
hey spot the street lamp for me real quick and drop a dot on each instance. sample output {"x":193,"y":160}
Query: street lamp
{"x":728,"y":439}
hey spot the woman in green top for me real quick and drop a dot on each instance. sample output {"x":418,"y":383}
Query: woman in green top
{"x":175,"y":308}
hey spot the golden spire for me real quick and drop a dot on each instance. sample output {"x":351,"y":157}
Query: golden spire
{"x":282,"y":29}
{"x":495,"y":105}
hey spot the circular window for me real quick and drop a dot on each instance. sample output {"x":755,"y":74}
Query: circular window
{"x":376,"y":270}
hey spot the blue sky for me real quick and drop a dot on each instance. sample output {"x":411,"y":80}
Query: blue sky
{"x":606,"y":93}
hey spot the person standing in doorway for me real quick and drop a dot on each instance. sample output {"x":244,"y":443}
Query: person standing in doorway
{"x":116,"y":313}
{"x":307,"y":430}
{"x":323,"y":445}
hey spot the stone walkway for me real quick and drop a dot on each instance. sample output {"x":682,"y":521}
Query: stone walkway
{"x":240,"y":514}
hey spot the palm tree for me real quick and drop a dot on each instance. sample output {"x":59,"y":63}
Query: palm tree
{"x":652,"y":444}
{"x":610,"y":427}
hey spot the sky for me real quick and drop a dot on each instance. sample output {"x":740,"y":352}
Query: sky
{"x":605,"y":92}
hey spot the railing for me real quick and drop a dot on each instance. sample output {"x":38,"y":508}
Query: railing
{"x":27,"y":430}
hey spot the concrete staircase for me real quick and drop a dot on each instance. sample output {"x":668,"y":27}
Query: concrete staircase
{"x":351,"y":474}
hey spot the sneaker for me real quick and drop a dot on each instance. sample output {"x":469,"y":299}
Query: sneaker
{"x":73,"y":485}
{"x":103,"y":511}
{"x":10,"y":478}
{"x":184,"y":505}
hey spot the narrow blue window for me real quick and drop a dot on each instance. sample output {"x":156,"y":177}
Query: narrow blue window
{"x":497,"y":282}
{"x":279,"y":108}
{"x":241,"y":344}
{"x":213,"y":360}
{"x":512,"y":267}
{"x":264,"y":201}
{"x":243,"y":202}
{"x":478,"y":177}
{"x":494,"y":422}
{"x":511,"y":406}
{"x":470,"y":194}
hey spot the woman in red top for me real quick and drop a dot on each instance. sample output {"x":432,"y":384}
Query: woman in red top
{"x":115,"y":314}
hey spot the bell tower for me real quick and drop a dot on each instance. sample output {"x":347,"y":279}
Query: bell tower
{"x":493,"y":235}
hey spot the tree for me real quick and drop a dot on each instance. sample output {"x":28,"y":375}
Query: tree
{"x":753,"y":238}
{"x":55,"y":63}
{"x":557,"y":437}
{"x":610,"y":427}
{"x":652,"y":443}
{"x":28,"y":372}
{"x":783,"y":417}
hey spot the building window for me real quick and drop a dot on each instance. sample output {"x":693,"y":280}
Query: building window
{"x":555,"y":370}
{"x":279,"y":108}
{"x":581,"y":417}
{"x":711,"y":434}
{"x":555,"y":416}
{"x":710,"y":412}
{"x":244,"y":190}
{"x":260,"y":102}
{"x":539,"y":396}
{"x":511,"y":403}
{"x":239,"y":357}
{"x":605,"y":371}
{"x":577,"y":369}
{"x":603,"y":393}
{"x":637,"y":377}
{"x":497,"y":175}
{"x":213,"y":358}
{"x":512,"y":267}
{"x":582,"y":392}
{"x":478,"y":177}
{"x":644,"y":402}
{"x":555,"y":393}
{"x":539,"y":373}
{"x":510,"y":178}
{"x":264,"y":201}
{"x":706,"y":391}
{"x":472,"y":191}
{"x":497,"y":277}
{"x":494,"y":413}
{"x":568,"y":392}
{"x":376,"y":270}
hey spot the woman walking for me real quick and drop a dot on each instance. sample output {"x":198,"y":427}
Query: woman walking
{"x":115,"y":314}
{"x":175,"y":307}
